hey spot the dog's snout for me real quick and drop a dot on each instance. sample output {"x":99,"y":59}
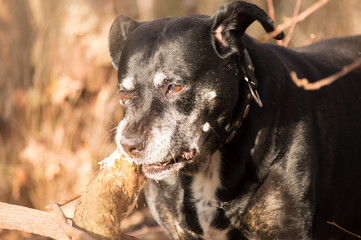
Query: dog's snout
{"x":132,"y":146}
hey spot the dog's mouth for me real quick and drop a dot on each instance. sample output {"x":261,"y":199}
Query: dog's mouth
{"x":166,"y":167}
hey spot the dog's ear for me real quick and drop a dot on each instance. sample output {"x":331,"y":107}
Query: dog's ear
{"x":231,"y":21}
{"x":118,"y":34}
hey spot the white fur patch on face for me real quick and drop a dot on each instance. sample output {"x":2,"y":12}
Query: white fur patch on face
{"x":211,"y":95}
{"x":159,"y":78}
{"x":206,"y":127}
{"x":128,"y":83}
{"x":204,"y":187}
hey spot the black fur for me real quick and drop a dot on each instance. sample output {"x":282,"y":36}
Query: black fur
{"x":293,"y":165}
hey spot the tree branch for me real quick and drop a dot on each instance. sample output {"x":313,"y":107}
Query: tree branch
{"x":345,"y":230}
{"x":25,"y":219}
{"x":304,"y":83}
{"x":271,"y":13}
{"x":293,"y":25}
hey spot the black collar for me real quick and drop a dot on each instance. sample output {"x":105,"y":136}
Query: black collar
{"x":250,"y":93}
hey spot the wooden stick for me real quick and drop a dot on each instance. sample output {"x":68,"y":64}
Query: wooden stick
{"x":304,"y":83}
{"x":25,"y":219}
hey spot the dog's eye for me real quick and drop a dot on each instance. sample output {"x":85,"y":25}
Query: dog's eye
{"x":124,"y":94}
{"x":173,"y":88}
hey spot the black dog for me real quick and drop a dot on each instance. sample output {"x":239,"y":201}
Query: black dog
{"x":187,"y":85}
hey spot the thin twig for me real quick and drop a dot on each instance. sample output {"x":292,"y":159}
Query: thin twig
{"x":304,"y":83}
{"x":271,"y":13}
{"x":271,"y":9}
{"x":297,"y":19}
{"x":62,"y":203}
{"x":293,"y":26}
{"x":345,"y":230}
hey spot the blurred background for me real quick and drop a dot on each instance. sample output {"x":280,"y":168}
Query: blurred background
{"x":58,"y":91}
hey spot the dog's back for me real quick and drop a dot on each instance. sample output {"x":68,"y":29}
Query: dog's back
{"x":332,"y":115}
{"x":337,"y":123}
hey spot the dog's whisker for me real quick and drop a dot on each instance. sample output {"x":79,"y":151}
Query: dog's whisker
{"x":215,"y":132}
{"x":109,"y":133}
{"x":112,"y":122}
{"x":173,"y":156}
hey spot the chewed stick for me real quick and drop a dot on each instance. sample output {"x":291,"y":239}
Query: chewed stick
{"x":109,"y":197}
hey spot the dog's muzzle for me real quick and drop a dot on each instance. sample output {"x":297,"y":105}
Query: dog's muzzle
{"x":134,"y":148}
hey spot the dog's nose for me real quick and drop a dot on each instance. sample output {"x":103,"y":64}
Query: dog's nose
{"x":132,"y":146}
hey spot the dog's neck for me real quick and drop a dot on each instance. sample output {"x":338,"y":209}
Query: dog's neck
{"x":249,"y":94}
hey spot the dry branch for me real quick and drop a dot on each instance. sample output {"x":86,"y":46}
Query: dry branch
{"x":109,"y":197}
{"x":271,"y":13}
{"x":271,"y":9}
{"x":293,"y":25}
{"x":304,"y":83}
{"x":300,"y":17}
{"x":343,"y":229}
{"x":25,"y":219}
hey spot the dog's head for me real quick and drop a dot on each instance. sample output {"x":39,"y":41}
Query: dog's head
{"x":180,"y":81}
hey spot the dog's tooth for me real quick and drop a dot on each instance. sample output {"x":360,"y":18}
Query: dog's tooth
{"x":165,"y":164}
{"x":188,"y":155}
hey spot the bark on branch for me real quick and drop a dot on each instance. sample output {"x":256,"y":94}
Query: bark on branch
{"x":25,"y":219}
{"x":109,"y":197}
